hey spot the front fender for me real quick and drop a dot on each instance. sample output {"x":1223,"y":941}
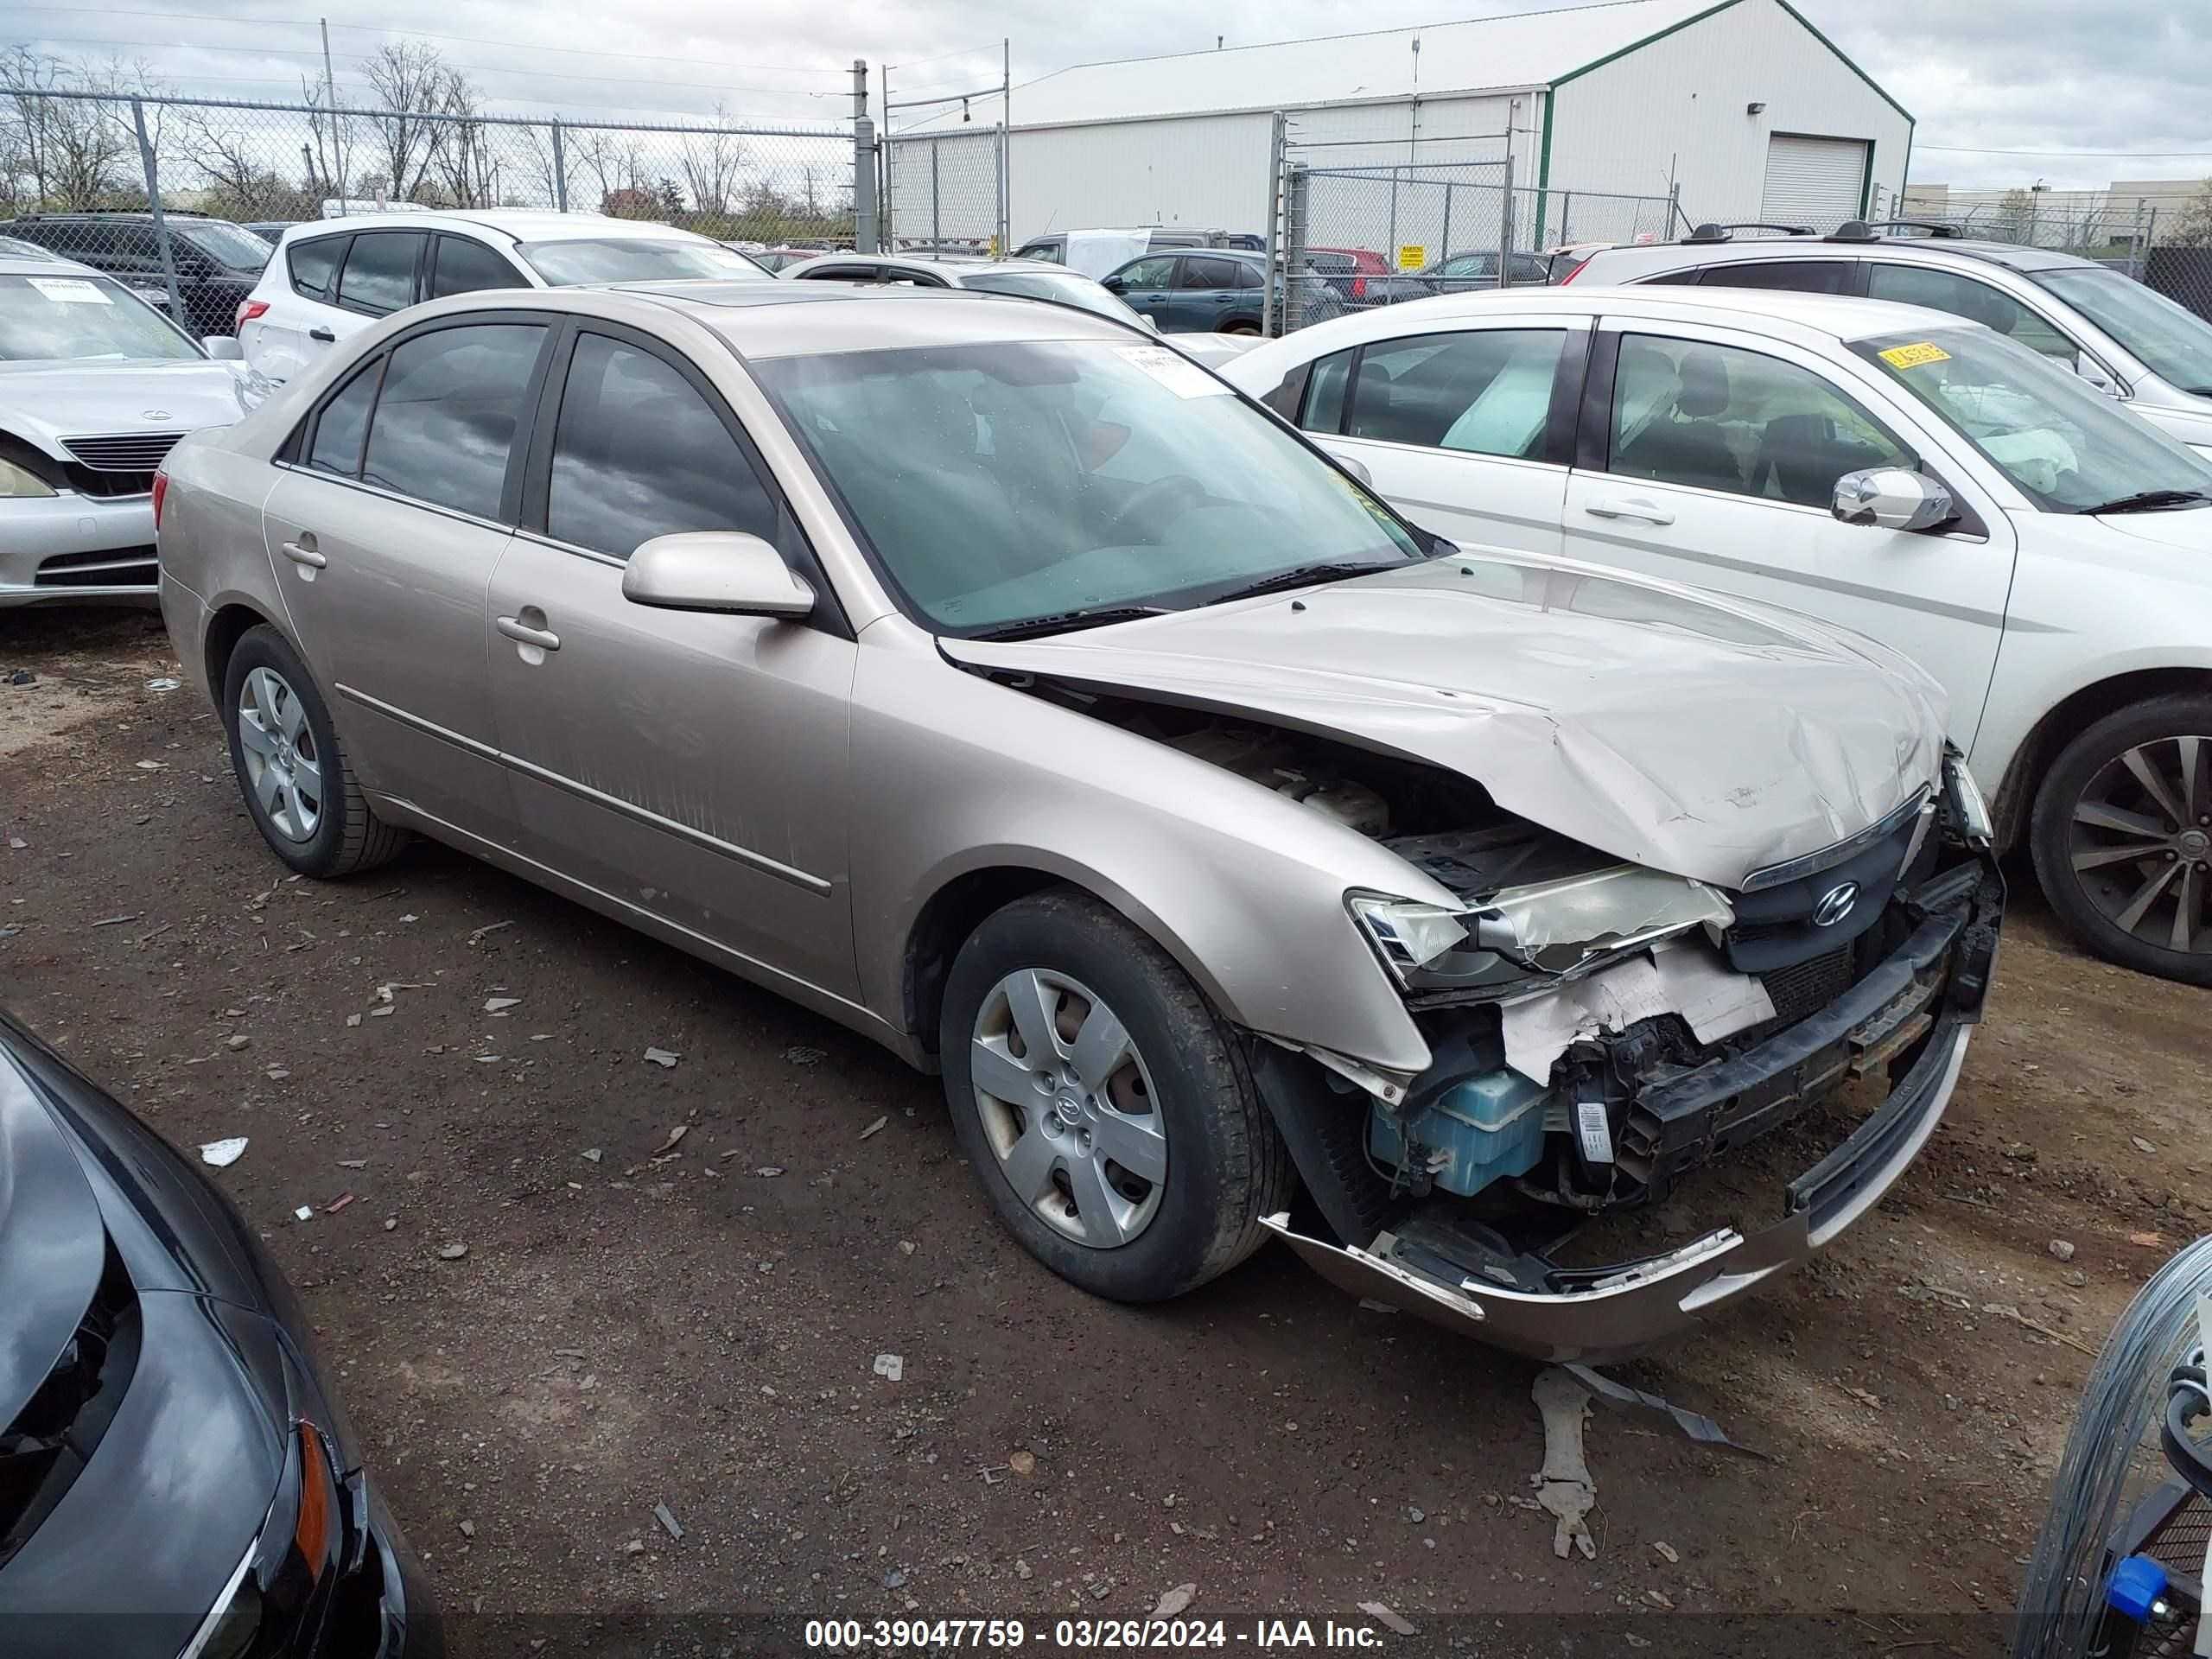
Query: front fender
{"x":1243,"y":888}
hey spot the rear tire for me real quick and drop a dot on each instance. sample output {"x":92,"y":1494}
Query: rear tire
{"x":290,"y":765}
{"x":1182,"y":1072}
{"x":2121,"y":836}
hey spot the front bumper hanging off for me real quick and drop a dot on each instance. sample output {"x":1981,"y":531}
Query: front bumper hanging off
{"x":1933,"y":983}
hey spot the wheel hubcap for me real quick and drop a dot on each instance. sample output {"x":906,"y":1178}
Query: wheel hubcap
{"x":283,"y":769}
{"x":1068,"y":1107}
{"x":2142,"y":842}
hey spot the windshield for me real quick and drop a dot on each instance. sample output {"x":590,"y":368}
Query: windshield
{"x":1007,"y":482}
{"x":635,"y":259}
{"x":2068,"y":448}
{"x":45,"y":319}
{"x":1061,"y":288}
{"x":226,"y":244}
{"x":2174,"y":344}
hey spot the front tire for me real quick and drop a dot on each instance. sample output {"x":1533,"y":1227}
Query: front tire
{"x":2121,"y":836}
{"x":290,"y":766}
{"x":1106,"y":1109}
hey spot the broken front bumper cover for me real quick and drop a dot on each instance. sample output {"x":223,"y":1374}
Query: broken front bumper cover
{"x":1939,"y":975}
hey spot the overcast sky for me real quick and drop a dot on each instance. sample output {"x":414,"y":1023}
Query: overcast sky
{"x":2132,"y":76}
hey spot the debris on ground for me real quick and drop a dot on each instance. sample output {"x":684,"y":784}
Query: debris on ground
{"x":1667,"y":1553}
{"x":469,"y":1529}
{"x":391,"y":1223}
{"x":2143,"y":1145}
{"x":1022,"y":1463}
{"x":1390,"y":1621}
{"x":353,"y":1163}
{"x":1872,"y":1401}
{"x":237,"y":1042}
{"x":662,"y":1056}
{"x":16,"y":843}
{"x":1659,"y":1598}
{"x":305,"y":1213}
{"x":894,"y":1580}
{"x":23,"y":676}
{"x":675,"y":1135}
{"x":452,"y":1252}
{"x":1173,"y":1602}
{"x":477,"y":937}
{"x":1694,"y":1425}
{"x":1564,"y":1486}
{"x":769,"y":1172}
{"x":116,"y":921}
{"x":352,"y":1019}
{"x":873,"y":1128}
{"x":337,"y":1204}
{"x":635,"y":1547}
{"x":663,"y":1514}
{"x":502,"y":1004}
{"x":2062,"y":1248}
{"x":800,"y":1054}
{"x":593,"y":1154}
{"x":905,"y":1247}
{"x":890,"y":1367}
{"x":224,"y":1152}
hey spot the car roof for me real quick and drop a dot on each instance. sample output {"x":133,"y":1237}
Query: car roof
{"x":46,"y":265}
{"x":519,"y":224}
{"x":1685,"y":256}
{"x":774,"y":320}
{"x":1758,"y":310}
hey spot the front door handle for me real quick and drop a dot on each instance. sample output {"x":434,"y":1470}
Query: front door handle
{"x":1630,"y":507}
{"x":303,"y":552}
{"x":322,"y":334}
{"x":523,"y":634}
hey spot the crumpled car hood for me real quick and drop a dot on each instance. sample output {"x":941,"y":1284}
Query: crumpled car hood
{"x":1687,"y":732}
{"x":43,"y":403}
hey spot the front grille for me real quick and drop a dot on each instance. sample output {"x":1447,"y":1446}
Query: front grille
{"x":130,"y":452}
{"x":105,"y":567}
{"x":1805,"y":987}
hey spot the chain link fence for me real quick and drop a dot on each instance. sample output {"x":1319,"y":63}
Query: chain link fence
{"x":1361,"y":231}
{"x":945,"y":192}
{"x":184,"y":199}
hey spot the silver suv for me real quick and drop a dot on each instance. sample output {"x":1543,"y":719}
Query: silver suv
{"x":2128,"y":341}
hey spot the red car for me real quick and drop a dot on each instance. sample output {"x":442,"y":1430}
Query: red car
{"x":1361,"y":277}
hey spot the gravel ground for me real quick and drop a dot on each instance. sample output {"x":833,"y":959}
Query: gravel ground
{"x":678,"y":1281}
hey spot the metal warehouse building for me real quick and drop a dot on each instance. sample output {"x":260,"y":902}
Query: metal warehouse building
{"x":1743,"y":108}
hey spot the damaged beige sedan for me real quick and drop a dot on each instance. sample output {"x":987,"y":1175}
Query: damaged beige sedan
{"x":996,"y":682}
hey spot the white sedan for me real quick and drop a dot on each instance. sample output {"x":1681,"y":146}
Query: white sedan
{"x":95,"y":387}
{"x":1900,"y":471}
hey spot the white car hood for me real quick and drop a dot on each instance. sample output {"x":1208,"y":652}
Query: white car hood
{"x":44,"y":403}
{"x":2186,"y":530}
{"x":1684,"y":731}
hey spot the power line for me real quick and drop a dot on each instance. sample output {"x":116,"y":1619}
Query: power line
{"x":411,"y":34}
{"x":481,"y":68}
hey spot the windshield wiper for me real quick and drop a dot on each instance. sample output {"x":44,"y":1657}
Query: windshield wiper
{"x":1068,"y":622}
{"x":2147,"y":501}
{"x":1301,"y":575}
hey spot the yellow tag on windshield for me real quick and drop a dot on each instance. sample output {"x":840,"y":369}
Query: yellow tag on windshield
{"x":1912,"y":357}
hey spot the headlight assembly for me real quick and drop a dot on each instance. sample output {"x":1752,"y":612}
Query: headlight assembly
{"x":1967,"y":807}
{"x":17,"y":482}
{"x":1409,"y":935}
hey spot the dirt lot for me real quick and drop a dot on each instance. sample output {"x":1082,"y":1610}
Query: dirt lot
{"x":696,"y":1327}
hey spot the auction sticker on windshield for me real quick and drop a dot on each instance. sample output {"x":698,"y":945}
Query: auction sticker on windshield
{"x":1912,"y":356}
{"x":70,"y":290}
{"x":1173,"y":370}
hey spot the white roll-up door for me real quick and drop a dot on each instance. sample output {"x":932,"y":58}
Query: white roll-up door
{"x":1815,"y":181}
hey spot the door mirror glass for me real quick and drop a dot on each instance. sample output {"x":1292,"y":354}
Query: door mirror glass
{"x":224,"y":348}
{"x":714,"y":570}
{"x":1891,"y":498}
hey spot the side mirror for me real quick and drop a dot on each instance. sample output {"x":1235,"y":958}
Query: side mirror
{"x":1892,"y":498}
{"x":1114,"y":285}
{"x":1151,"y":323}
{"x":714,"y":570}
{"x":224,"y":348}
{"x":1357,"y":468}
{"x":2093,"y":372}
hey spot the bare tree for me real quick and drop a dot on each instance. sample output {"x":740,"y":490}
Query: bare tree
{"x":2192,"y":224}
{"x":329,"y":160}
{"x":408,"y":80}
{"x":69,"y":152}
{"x":619,"y":165}
{"x":464,"y":155}
{"x":714,"y":163}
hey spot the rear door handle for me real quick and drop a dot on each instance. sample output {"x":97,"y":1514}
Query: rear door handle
{"x":1630,"y":507}
{"x":321,"y":333}
{"x":303,"y":553}
{"x":522,"y":633}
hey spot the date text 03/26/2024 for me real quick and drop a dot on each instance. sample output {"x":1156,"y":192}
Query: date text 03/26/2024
{"x":851,"y":1635}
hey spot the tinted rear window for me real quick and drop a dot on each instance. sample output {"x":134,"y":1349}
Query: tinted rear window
{"x":313,"y":264}
{"x":446,"y":415}
{"x":379,"y":274}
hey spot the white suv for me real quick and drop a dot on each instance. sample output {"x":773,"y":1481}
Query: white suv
{"x":334,"y":278}
{"x":2128,"y":341}
{"x":1900,"y":471}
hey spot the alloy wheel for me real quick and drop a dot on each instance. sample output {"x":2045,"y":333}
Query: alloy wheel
{"x":283,"y":769}
{"x":2141,"y":842}
{"x":1069,"y":1107}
